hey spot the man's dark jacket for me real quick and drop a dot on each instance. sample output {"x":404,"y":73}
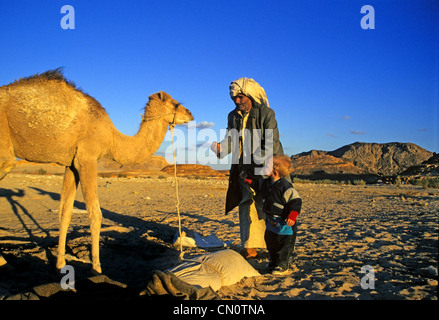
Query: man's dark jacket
{"x":260,"y":117}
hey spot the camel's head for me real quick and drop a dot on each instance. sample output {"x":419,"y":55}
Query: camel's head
{"x":167,"y":108}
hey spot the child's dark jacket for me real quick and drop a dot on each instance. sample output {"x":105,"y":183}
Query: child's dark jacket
{"x":280,"y":201}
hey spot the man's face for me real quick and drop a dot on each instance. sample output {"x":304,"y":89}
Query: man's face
{"x":242,"y":102}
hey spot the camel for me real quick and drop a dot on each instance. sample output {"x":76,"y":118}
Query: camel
{"x":45,"y":118}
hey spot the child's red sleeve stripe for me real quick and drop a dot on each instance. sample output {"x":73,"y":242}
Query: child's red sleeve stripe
{"x":293,"y":215}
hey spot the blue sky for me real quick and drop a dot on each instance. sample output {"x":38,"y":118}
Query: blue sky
{"x":330,"y":82}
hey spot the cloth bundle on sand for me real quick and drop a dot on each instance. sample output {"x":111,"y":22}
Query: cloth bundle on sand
{"x":167,"y":285}
{"x":192,"y":239}
{"x":195,"y":279}
{"x":200,"y":278}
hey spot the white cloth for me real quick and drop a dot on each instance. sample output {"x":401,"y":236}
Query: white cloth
{"x":249,"y":88}
{"x":192,"y":239}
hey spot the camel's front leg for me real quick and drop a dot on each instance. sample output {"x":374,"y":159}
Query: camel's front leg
{"x":88,"y":173}
{"x":70,"y":186}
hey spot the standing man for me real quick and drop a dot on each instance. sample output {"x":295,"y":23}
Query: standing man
{"x":252,"y":137}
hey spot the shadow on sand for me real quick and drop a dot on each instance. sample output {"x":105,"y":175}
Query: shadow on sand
{"x":126,"y":257}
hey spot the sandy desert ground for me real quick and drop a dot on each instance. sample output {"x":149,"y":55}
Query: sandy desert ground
{"x":342,"y":229}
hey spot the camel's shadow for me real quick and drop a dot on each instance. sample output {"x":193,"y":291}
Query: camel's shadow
{"x":139,"y":226}
{"x":18,"y":208}
{"x":128,"y":257}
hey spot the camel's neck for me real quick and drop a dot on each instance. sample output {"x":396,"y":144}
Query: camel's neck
{"x":138,"y":148}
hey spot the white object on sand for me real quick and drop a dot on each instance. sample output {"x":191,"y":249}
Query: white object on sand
{"x":185,"y":240}
{"x":211,"y":241}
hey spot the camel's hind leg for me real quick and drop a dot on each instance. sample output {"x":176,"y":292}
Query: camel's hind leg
{"x":7,"y":156}
{"x":2,"y":261}
{"x":6,"y":166}
{"x":88,"y":173}
{"x":70,"y":185}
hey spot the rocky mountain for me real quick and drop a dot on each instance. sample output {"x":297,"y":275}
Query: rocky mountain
{"x":24,"y":166}
{"x":313,"y":161}
{"x":154,"y":166}
{"x":195,"y":170}
{"x":385,"y":159}
{"x":154,"y":163}
{"x":360,"y":160}
{"x":106,"y":167}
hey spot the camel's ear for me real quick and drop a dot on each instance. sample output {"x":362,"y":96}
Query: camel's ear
{"x":154,"y":96}
{"x":164,"y":96}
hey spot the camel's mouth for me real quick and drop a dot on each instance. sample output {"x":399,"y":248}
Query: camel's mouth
{"x":182,"y":115}
{"x":182,"y":120}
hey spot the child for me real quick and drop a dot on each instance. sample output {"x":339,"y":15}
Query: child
{"x":282,"y":205}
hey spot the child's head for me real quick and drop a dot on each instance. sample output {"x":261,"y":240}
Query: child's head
{"x":282,"y":164}
{"x":279,"y":163}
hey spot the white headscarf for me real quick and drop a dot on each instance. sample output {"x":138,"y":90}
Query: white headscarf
{"x":249,"y":88}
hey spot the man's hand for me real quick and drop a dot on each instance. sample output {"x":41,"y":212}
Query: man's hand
{"x":216,"y":147}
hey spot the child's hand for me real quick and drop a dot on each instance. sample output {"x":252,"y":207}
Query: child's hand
{"x":291,"y":219}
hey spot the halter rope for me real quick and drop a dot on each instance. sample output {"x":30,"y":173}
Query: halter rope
{"x":171,"y":128}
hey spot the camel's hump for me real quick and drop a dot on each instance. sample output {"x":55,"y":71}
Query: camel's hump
{"x":48,"y":100}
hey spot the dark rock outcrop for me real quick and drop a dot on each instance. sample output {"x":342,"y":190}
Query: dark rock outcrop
{"x":428,"y":168}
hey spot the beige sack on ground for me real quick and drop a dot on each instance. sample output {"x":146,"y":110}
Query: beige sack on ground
{"x":217,"y":269}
